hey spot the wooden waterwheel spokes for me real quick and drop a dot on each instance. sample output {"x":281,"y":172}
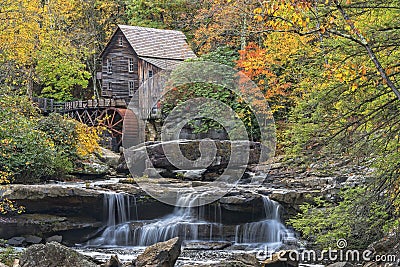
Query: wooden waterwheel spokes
{"x":113,"y":120}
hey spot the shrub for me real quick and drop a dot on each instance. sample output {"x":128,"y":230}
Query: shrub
{"x":323,"y":223}
{"x":25,"y":151}
{"x":73,"y":140}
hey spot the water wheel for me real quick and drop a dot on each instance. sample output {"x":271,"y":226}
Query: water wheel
{"x":121,"y":125}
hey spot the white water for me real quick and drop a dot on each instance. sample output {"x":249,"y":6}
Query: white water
{"x":124,"y":229}
{"x":268,"y":231}
{"x":119,"y":212}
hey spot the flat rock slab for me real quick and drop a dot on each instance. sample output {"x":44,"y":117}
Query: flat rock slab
{"x":204,"y":245}
{"x":42,"y":224}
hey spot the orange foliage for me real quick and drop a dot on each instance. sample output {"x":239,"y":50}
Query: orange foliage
{"x":270,"y":66}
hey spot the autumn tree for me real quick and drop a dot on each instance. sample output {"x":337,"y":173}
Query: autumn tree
{"x":50,"y":47}
{"x":347,"y":105}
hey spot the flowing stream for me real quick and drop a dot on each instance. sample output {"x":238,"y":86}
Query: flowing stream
{"x":123,"y":227}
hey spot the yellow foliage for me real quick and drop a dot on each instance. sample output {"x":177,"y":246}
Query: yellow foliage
{"x":87,"y":139}
{"x":7,"y":205}
{"x":5,"y":177}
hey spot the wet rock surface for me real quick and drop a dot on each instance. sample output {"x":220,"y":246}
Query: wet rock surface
{"x":45,"y":226}
{"x":163,"y":254}
{"x":388,"y":251}
{"x":217,"y":259}
{"x":154,"y":152}
{"x":113,"y":262}
{"x":75,"y":210}
{"x":199,"y":245}
{"x":53,"y":254}
{"x":341,"y":264}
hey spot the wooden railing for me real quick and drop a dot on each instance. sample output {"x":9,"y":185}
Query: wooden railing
{"x":48,"y":105}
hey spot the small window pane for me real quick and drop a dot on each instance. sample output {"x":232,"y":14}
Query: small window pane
{"x":130,"y":64}
{"x":109,"y":65}
{"x":150,"y":73}
{"x":131,"y":88}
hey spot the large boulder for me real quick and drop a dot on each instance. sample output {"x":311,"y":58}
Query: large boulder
{"x":163,"y":254}
{"x":160,"y":153}
{"x":53,"y":254}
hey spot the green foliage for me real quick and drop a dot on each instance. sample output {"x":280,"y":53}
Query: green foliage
{"x":60,"y":70}
{"x":222,"y":55}
{"x":176,"y":97}
{"x":324,"y":222}
{"x":34,"y":148}
{"x":62,"y":133}
{"x":163,"y":14}
{"x":8,"y":255}
{"x":25,"y":151}
{"x":146,"y":13}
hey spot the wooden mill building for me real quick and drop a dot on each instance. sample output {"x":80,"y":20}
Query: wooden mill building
{"x":132,"y":56}
{"x":135,"y":54}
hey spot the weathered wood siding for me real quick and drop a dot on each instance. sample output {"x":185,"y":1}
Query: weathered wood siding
{"x":152,"y":87}
{"x":120,"y":76}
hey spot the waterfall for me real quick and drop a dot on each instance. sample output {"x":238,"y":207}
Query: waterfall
{"x":268,"y":231}
{"x":187,"y":221}
{"x":117,"y":207}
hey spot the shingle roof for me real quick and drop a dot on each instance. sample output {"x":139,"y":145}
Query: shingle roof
{"x":156,"y":43}
{"x":162,"y":63}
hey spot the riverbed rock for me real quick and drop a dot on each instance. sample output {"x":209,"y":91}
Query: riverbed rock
{"x":54,"y":238}
{"x":231,"y":260}
{"x":155,"y":154}
{"x":387,"y":248}
{"x":113,"y":262}
{"x":242,"y":202}
{"x":53,"y":254}
{"x":281,"y":258}
{"x":44,"y":225}
{"x":108,"y":157}
{"x":190,"y":174}
{"x":32,"y":239}
{"x":92,"y":169}
{"x":17,"y":241}
{"x":163,"y":254}
{"x":40,"y":191}
{"x":206,"y":245}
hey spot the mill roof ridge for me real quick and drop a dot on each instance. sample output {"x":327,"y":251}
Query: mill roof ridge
{"x":157,"y":43}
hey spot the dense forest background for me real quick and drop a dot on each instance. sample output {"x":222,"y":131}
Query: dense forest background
{"x":330,"y":70}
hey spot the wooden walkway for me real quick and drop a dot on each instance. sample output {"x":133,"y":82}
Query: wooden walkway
{"x":49,"y":105}
{"x":110,"y":113}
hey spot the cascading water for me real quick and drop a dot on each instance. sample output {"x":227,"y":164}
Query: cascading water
{"x":186,"y":221}
{"x":118,"y":210}
{"x":270,"y":230}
